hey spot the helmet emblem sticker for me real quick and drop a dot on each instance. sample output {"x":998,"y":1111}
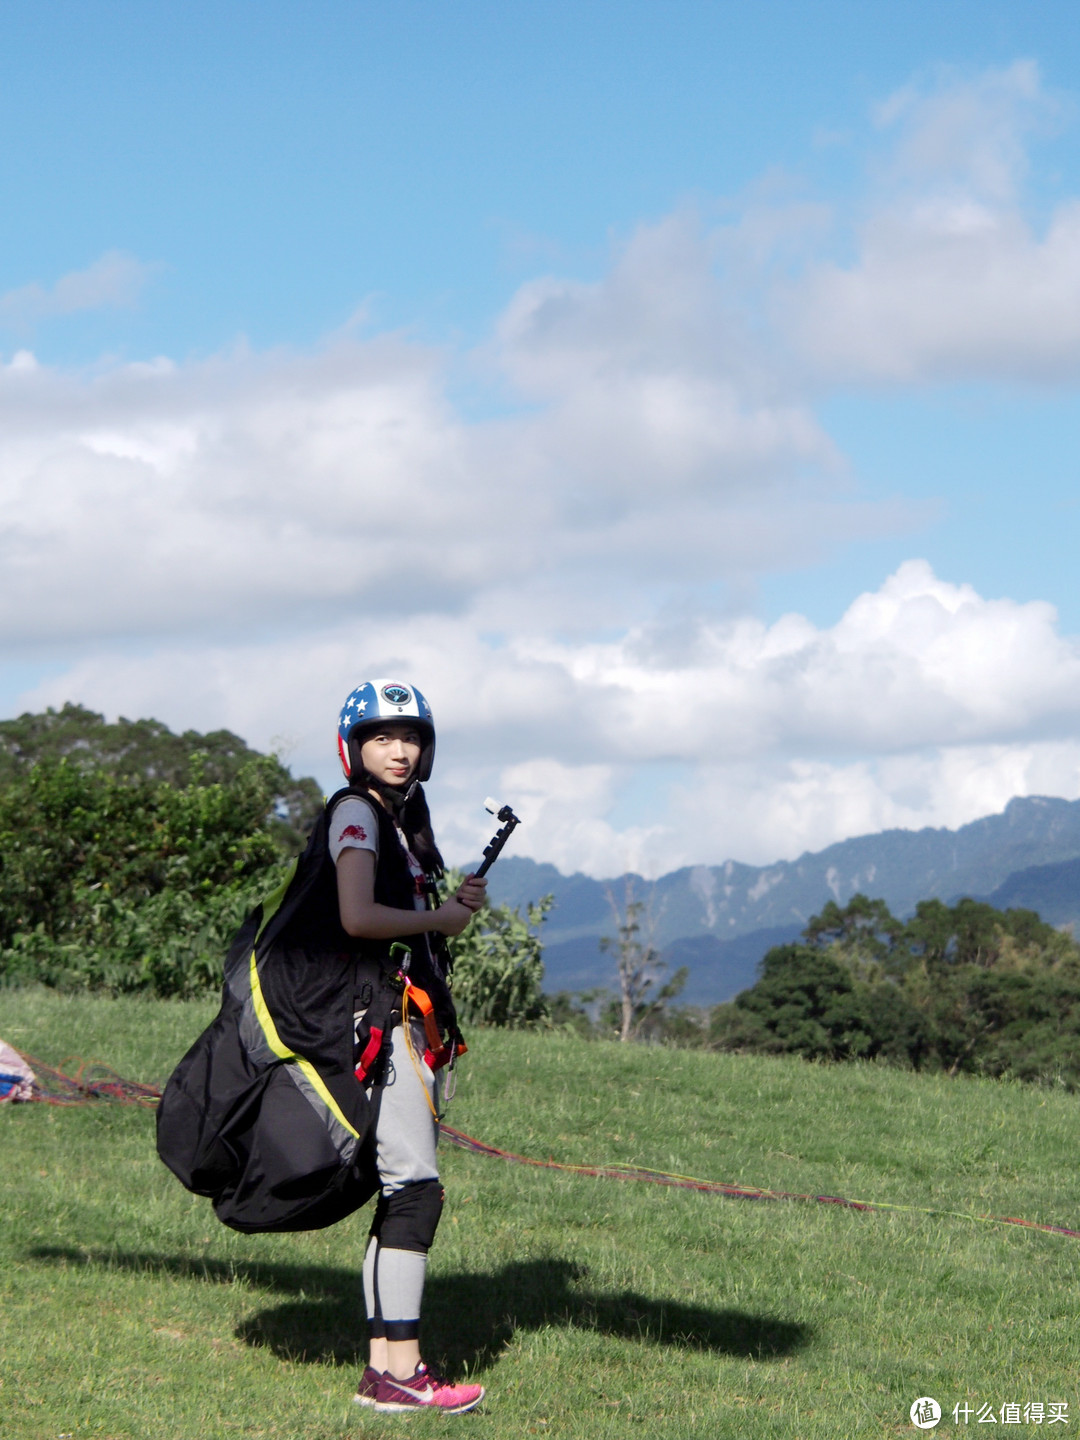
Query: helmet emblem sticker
{"x":396,"y":694}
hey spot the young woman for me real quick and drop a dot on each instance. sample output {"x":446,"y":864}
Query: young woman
{"x":382,"y":845}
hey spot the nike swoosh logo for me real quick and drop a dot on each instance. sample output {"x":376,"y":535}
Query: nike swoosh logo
{"x":425,"y":1394}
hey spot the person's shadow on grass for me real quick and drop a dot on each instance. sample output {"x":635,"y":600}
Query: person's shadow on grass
{"x":468,"y":1318}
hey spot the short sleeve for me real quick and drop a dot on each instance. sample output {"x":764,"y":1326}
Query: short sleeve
{"x":353,"y":827}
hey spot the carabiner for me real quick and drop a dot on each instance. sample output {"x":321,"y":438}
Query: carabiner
{"x":450,"y":1083}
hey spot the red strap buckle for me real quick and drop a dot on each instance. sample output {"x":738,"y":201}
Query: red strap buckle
{"x":371,"y":1050}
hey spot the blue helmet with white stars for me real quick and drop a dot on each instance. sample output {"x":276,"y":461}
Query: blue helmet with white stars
{"x":374,"y":703}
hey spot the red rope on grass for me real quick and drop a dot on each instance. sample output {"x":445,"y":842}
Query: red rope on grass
{"x":91,"y":1081}
{"x":733,"y":1192}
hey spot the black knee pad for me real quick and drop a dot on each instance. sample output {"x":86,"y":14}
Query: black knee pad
{"x":408,"y":1219}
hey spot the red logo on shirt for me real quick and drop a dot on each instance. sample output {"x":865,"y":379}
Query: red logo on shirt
{"x":352,"y":832}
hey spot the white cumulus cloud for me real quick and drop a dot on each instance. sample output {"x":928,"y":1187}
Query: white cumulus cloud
{"x":249,"y":489}
{"x":114,"y":279}
{"x":951,"y":278}
{"x":925,"y":704}
{"x":236,"y":541}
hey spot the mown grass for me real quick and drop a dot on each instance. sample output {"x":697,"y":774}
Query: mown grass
{"x":590,"y":1308}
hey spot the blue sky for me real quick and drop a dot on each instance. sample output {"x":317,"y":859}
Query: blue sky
{"x":660,"y":321}
{"x":282,"y":163}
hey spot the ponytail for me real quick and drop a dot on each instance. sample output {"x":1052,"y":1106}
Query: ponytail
{"x":416,"y":823}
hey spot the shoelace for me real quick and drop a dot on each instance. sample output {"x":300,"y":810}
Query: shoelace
{"x":439,"y":1382}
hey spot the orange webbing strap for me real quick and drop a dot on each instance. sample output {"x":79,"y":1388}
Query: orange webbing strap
{"x":437,"y":1053}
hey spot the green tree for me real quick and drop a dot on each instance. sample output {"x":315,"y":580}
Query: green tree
{"x":864,"y":933}
{"x":961,"y":988}
{"x":130,"y":883}
{"x":148,"y":750}
{"x":567,"y":1012}
{"x":806,"y":1003}
{"x":498,"y":975}
{"x":972,"y":932}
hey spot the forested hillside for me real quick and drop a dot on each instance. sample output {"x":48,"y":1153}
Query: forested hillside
{"x":962,"y":988}
{"x":147,"y":750}
{"x":131,"y":855}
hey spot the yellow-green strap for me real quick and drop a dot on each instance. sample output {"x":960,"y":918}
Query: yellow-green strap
{"x":272,"y":903}
{"x":282,"y":1051}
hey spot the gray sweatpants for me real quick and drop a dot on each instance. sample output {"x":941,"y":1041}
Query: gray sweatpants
{"x":406,"y":1137}
{"x":407,"y":1132}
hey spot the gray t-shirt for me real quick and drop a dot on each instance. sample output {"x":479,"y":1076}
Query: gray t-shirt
{"x":354,"y":826}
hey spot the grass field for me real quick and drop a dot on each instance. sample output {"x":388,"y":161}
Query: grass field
{"x":589,"y":1308}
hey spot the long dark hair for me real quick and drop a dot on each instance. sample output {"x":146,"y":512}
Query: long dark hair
{"x":410,"y":810}
{"x":416,"y":823}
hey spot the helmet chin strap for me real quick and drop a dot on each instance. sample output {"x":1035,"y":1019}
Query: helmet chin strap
{"x":394,"y":796}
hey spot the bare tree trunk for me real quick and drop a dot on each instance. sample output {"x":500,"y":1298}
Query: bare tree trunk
{"x":627,"y":1004}
{"x":636,"y":965}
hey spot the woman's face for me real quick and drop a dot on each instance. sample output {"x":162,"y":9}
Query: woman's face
{"x":392,"y":753}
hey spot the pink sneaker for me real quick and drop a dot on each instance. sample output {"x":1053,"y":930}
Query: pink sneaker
{"x":425,"y":1388}
{"x":368,"y":1387}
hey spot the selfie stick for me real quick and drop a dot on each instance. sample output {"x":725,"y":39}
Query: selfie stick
{"x":499,"y":839}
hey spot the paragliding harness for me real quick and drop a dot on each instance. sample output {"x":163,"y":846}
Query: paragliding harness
{"x":382,"y":1012}
{"x":389,"y":1008}
{"x":398,"y":991}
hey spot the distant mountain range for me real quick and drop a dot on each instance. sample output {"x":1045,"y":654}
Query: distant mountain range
{"x":720,"y":919}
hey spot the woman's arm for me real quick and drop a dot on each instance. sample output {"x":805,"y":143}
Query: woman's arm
{"x":363,"y":917}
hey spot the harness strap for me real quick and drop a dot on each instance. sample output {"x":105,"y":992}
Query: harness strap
{"x":370,"y":1055}
{"x":374,"y":1034}
{"x":438,"y":1052}
{"x":390,"y":1007}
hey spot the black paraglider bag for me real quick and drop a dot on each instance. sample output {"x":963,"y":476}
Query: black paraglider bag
{"x":264,"y":1114}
